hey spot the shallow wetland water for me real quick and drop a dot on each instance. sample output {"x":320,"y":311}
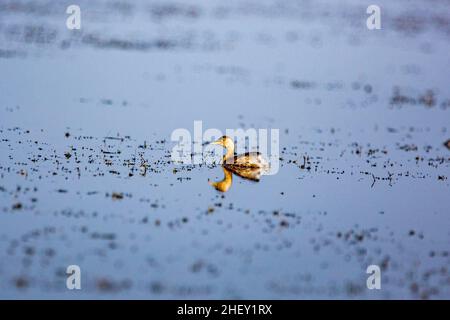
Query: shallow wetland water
{"x":86,"y":176}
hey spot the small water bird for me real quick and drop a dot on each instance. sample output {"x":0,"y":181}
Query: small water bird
{"x":249,"y":165}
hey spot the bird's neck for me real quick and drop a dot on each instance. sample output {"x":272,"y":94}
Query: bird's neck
{"x":229,"y":153}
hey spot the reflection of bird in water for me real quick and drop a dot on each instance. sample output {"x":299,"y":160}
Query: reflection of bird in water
{"x":250,"y":165}
{"x":225,"y":184}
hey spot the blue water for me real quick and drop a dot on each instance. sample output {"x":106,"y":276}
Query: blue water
{"x":80,"y":110}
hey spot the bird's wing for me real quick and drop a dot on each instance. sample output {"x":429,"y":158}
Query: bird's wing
{"x":249,"y":159}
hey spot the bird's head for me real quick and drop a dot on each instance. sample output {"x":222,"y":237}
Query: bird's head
{"x":225,"y":142}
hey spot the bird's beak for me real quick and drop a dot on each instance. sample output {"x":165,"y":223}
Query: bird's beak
{"x":215,"y":142}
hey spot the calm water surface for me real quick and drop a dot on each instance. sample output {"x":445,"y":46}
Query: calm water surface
{"x":82,"y":111}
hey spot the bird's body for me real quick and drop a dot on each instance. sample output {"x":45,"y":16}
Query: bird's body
{"x":248,"y":159}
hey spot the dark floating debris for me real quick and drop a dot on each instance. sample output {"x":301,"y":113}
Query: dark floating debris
{"x":117,"y":195}
{"x":427,"y":99}
{"x":17,"y":206}
{"x":21,"y":282}
{"x":447,"y":144}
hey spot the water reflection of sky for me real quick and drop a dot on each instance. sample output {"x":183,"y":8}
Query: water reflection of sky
{"x":369,"y":110}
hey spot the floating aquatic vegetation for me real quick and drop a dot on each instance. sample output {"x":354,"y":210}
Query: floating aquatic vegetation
{"x":447,"y":144}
